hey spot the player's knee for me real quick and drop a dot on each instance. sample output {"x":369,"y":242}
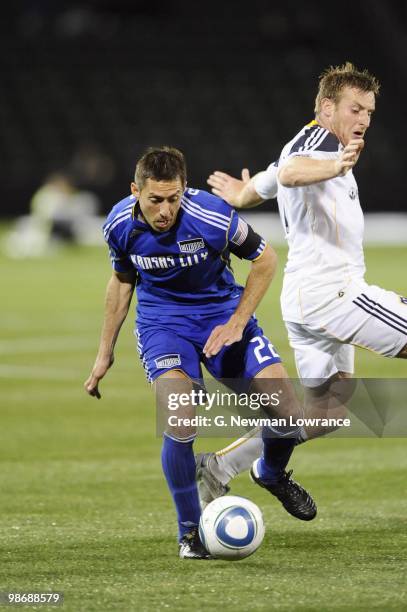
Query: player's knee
{"x":180,"y":418}
{"x":283,"y":401}
{"x":343,"y":387}
{"x":175,"y":410}
{"x":332,"y":396}
{"x":403,"y":353}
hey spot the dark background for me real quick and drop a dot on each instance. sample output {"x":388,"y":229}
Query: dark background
{"x":87,"y":86}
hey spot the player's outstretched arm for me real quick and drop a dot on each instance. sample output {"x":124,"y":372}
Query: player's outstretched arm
{"x":258,"y":281}
{"x":300,"y":171}
{"x":119,"y":292}
{"x":239,"y":193}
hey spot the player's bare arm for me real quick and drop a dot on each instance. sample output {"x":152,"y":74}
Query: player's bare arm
{"x":118,"y":297}
{"x":259,"y":279}
{"x":302,"y":171}
{"x":239,"y":193}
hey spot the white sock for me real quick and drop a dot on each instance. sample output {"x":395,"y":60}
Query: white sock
{"x":237,"y":457}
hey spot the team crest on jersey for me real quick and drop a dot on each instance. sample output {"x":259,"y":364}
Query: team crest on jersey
{"x":403,"y":300}
{"x":192,"y":245}
{"x":353,"y":193}
{"x":168,"y":361}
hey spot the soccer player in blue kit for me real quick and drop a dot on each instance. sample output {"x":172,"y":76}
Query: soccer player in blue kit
{"x":174,"y":244}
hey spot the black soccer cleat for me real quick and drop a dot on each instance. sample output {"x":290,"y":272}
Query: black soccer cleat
{"x":296,"y":500}
{"x":191,"y":547}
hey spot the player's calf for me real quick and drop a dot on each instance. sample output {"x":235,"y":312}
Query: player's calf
{"x":328,"y":401}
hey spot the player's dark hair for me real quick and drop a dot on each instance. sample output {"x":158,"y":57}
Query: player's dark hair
{"x":335,"y":78}
{"x":161,"y":164}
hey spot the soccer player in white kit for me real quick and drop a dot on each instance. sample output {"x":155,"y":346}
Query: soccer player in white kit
{"x":327,"y":306}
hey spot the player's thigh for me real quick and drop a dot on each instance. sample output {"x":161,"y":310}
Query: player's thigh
{"x":162,"y":350}
{"x":318,"y":355}
{"x":244,"y":359}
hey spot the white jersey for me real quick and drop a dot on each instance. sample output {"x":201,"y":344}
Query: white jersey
{"x":324,"y":228}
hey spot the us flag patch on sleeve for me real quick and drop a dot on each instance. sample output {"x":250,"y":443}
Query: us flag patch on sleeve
{"x":241,"y":232}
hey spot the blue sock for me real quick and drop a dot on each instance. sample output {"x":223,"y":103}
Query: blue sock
{"x":178,"y":464}
{"x":276,"y":455}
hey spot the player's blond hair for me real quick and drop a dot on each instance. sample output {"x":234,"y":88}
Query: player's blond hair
{"x":335,"y":78}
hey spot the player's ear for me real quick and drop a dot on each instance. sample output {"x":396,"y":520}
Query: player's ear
{"x":327,"y":107}
{"x":134,"y":190}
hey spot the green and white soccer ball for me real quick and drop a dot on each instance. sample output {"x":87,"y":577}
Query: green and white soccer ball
{"x":231,"y":527}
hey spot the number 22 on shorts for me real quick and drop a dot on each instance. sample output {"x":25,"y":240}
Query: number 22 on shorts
{"x":262,"y":345}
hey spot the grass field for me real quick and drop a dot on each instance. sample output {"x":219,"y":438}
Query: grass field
{"x":84,"y":507}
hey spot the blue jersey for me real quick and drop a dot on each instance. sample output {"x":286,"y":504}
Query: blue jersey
{"x":185,"y":270}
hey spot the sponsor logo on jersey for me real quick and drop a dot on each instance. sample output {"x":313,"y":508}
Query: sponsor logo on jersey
{"x":403,"y":299}
{"x":191,"y":246}
{"x":353,"y":193}
{"x":168,"y":361}
{"x":165,"y":262}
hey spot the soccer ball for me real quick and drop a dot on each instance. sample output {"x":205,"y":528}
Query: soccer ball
{"x":231,"y":528}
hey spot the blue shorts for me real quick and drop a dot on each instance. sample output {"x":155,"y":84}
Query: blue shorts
{"x":176,"y":343}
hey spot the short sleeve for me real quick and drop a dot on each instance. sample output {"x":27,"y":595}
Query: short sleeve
{"x":120,"y":261}
{"x":265,"y":183}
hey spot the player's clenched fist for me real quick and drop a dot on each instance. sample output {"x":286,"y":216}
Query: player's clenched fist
{"x":349,"y":156}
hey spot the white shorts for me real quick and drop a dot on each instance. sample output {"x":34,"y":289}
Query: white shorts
{"x":360,"y":315}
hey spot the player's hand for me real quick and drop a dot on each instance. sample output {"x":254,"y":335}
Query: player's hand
{"x":349,"y":156}
{"x":223,"y":335}
{"x":99,"y":370}
{"x":227,"y":187}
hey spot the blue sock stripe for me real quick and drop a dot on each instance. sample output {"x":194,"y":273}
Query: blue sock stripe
{"x":181,"y":440}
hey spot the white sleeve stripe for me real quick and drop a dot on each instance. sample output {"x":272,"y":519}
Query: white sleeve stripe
{"x":123,"y":212}
{"x":203,"y":215}
{"x":317,"y":135}
{"x":315,"y":144}
{"x":118,"y":221}
{"x":260,"y":248}
{"x":311,"y":138}
{"x":212,"y":213}
{"x":201,"y":218}
{"x":320,"y":140}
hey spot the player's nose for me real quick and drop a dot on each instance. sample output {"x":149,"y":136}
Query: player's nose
{"x":165,"y":210}
{"x":365,"y":120}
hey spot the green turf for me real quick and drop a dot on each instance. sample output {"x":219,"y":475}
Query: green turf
{"x":84,"y":508}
